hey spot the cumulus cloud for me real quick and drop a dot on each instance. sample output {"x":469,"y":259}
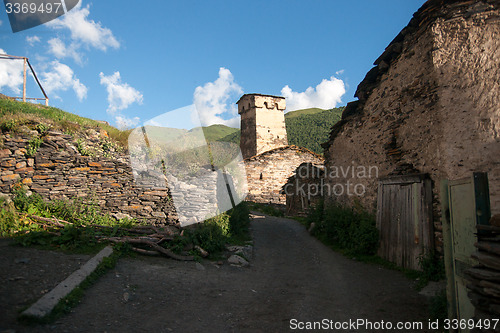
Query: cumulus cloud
{"x":213,"y":100}
{"x":11,"y":74}
{"x":61,"y":77}
{"x":123,"y":122}
{"x":58,"y":48}
{"x":120,"y":95}
{"x":85,"y":31}
{"x":325,"y":95}
{"x":32,"y":40}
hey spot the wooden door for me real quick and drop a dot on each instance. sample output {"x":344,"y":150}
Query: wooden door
{"x":404,"y":219}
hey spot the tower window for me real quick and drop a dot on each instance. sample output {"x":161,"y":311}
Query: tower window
{"x":265,"y":104}
{"x":260,"y":176}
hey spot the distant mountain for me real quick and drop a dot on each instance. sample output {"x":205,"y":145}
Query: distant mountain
{"x":307,"y":128}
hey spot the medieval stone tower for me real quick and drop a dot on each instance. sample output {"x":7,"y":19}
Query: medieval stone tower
{"x":262,"y":123}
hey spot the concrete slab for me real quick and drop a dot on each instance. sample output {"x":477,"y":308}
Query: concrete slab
{"x":46,"y":304}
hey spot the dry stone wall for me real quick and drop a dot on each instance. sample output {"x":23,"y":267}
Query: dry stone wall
{"x":430,"y":105}
{"x":269,"y":171}
{"x":59,"y":171}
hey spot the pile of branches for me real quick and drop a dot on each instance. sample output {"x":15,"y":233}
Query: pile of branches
{"x":145,"y":240}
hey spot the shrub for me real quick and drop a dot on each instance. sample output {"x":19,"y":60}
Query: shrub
{"x":345,"y":228}
{"x":239,"y":220}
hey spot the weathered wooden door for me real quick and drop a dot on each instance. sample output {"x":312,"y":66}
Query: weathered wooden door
{"x":465,"y":203}
{"x":404,"y":219}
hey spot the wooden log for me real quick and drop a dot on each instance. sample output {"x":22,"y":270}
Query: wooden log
{"x":153,"y":245}
{"x":483,"y":274}
{"x":145,"y":252}
{"x":203,"y":253}
{"x":488,"y":247}
{"x":56,"y":222}
{"x":488,"y":228}
{"x":490,"y":285}
{"x":487,"y":260}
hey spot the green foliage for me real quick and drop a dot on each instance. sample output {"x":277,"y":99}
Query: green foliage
{"x":72,"y":237}
{"x":438,"y":307}
{"x":432,"y":268}
{"x":352,"y":230}
{"x":82,"y":148}
{"x":311,"y":130}
{"x":33,"y":146}
{"x":239,"y":221}
{"x":213,"y":234}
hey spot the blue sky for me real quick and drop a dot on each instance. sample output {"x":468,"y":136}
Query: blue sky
{"x":116,"y":61}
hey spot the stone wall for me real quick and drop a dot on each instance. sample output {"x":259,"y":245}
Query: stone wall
{"x":304,"y":190}
{"x":59,"y":171}
{"x":262,"y":123}
{"x":430,"y":105}
{"x":269,"y":171}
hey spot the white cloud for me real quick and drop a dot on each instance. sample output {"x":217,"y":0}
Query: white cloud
{"x":213,"y":100}
{"x":11,"y":74}
{"x":61,"y":51}
{"x":84,"y":31}
{"x":326,"y":95}
{"x":61,"y":78}
{"x":120,"y":95}
{"x":123,"y":122}
{"x":32,"y":40}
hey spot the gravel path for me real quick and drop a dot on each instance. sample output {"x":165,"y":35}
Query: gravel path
{"x":292,"y":276}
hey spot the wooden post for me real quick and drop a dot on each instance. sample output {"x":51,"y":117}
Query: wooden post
{"x":24,"y":81}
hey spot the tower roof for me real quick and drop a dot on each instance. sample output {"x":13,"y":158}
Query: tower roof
{"x":262,"y":95}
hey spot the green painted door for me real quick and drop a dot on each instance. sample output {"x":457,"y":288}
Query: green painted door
{"x":463,"y":236}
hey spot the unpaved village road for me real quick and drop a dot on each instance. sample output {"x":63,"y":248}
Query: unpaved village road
{"x":292,"y":276}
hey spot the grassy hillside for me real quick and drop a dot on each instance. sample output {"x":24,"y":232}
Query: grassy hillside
{"x":15,"y":114}
{"x":303,"y":112}
{"x":217,"y":132}
{"x":307,"y":128}
{"x":310,"y":130}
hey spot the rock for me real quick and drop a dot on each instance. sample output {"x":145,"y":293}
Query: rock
{"x":22,"y":261}
{"x":126,"y":297}
{"x":311,"y":227}
{"x":200,"y":267}
{"x":120,"y":216}
{"x":245,"y":250}
{"x":237,"y":260}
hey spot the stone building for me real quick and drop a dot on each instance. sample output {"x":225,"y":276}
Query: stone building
{"x":429,"y":110}
{"x":304,"y":189}
{"x":269,"y":160}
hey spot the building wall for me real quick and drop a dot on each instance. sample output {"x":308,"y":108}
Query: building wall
{"x":262,"y":123}
{"x":58,"y":171}
{"x":431,"y":105}
{"x":269,"y":171}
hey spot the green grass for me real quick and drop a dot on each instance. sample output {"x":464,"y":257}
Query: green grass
{"x":13,"y":114}
{"x":217,"y":132}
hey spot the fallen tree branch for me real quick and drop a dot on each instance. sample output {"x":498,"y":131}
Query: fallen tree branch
{"x":151,"y":244}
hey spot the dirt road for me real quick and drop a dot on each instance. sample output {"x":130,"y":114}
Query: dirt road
{"x":292,"y":276}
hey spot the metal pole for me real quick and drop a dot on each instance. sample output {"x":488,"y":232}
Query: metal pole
{"x":24,"y":81}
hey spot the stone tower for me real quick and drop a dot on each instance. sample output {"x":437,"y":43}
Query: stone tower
{"x":262,"y":123}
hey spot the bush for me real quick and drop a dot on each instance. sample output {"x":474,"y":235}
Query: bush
{"x":213,"y":234}
{"x":239,"y":220}
{"x":345,"y":228}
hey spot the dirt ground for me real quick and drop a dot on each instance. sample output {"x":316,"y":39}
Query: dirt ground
{"x":291,"y":276}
